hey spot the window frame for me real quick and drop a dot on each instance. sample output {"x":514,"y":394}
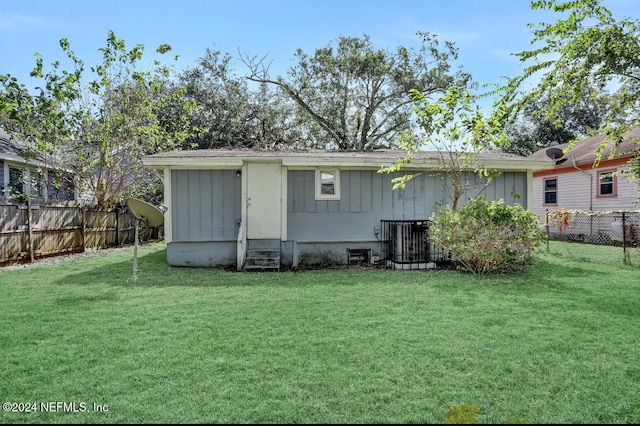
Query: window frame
{"x":336,"y":183}
{"x":545,"y":191}
{"x":613,"y":183}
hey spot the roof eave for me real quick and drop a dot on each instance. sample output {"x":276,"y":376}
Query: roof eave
{"x":505,"y":164}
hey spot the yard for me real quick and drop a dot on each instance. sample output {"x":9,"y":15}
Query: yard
{"x":81,"y":343}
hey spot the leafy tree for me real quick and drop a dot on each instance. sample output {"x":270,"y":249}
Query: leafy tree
{"x":533,"y":130}
{"x":353,"y":96}
{"x":36,"y":123}
{"x":457,"y":132}
{"x":586,"y":45}
{"x":228,"y":112}
{"x":100,"y":129}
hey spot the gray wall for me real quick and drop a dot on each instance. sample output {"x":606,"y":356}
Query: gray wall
{"x":206,"y":210}
{"x":202,"y":254}
{"x":205,"y":205}
{"x":366,"y":197}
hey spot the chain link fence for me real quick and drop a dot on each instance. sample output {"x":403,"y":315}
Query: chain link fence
{"x":617,"y":230}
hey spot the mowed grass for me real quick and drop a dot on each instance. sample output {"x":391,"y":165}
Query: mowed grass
{"x":559,"y":343}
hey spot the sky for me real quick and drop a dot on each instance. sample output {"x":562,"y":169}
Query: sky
{"x":486,"y":32}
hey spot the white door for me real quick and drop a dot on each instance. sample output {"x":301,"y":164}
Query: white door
{"x":264,"y":200}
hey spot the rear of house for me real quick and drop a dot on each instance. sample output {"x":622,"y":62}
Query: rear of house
{"x":259,"y":208}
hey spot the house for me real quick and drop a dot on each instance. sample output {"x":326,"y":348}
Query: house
{"x":253,"y":208}
{"x":25,"y":175}
{"x":576,"y":182}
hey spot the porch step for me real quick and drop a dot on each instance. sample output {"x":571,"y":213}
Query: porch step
{"x":262,"y":259}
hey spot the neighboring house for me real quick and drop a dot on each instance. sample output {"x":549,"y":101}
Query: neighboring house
{"x":574,"y":183}
{"x":24,"y":176}
{"x":270,"y":208}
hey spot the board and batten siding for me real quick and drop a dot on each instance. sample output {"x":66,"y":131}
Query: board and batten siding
{"x":206,"y":205}
{"x":367,"y":197}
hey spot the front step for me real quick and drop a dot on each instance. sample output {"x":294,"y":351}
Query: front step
{"x":262,"y":259}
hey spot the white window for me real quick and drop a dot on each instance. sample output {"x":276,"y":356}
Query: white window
{"x":23,"y":183}
{"x":607,"y":186}
{"x":327,"y":184}
{"x":551,"y":191}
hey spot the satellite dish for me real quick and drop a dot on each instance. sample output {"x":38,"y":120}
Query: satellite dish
{"x":149,"y":215}
{"x":554,"y":153}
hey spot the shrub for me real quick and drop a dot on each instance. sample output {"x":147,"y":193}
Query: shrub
{"x":487,"y":237}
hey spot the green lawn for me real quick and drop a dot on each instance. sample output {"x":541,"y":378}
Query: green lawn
{"x":557,"y":344}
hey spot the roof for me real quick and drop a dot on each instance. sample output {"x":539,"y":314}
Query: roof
{"x":584,"y":151}
{"x":212,"y":158}
{"x":10,"y":147}
{"x":17,"y":150}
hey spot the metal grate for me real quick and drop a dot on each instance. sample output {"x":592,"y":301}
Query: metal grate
{"x":406,"y":244}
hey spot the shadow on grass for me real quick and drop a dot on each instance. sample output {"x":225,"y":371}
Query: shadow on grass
{"x":153,"y":271}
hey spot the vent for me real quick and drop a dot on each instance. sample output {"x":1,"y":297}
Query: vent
{"x":358,"y":256}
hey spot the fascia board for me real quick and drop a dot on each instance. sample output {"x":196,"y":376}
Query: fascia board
{"x":335,"y":162}
{"x":520,"y":165}
{"x":415,"y":164}
{"x":191,"y":163}
{"x":353,"y":163}
{"x":20,"y":160}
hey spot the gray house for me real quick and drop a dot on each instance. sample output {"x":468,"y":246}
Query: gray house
{"x":267,"y":209}
{"x":25,"y":174}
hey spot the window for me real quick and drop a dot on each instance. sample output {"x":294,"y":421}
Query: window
{"x":551,"y":191}
{"x":60,"y":186}
{"x":16,"y":182}
{"x":606,"y":184}
{"x":327,"y":185}
{"x":24,"y":183}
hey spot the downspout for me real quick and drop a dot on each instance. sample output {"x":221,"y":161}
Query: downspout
{"x":573,"y":159}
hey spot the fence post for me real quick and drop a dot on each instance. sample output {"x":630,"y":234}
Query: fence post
{"x":29,"y":231}
{"x":117,"y":226}
{"x":84,"y":228}
{"x":624,"y":237}
{"x":546,"y":225}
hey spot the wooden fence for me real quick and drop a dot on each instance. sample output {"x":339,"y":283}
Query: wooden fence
{"x":29,"y":231}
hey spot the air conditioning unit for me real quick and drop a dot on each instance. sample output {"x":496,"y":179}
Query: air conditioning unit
{"x":406,"y":244}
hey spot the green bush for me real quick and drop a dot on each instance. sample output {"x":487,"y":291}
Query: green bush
{"x":487,"y":237}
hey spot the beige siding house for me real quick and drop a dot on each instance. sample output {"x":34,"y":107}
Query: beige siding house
{"x":577,"y":182}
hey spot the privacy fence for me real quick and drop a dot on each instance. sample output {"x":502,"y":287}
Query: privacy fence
{"x":29,"y":231}
{"x":619,"y":230}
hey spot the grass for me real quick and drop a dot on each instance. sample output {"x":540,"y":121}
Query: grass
{"x":556,"y":344}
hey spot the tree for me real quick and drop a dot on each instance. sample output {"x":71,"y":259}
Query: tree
{"x":353,"y":96}
{"x":229,"y":113}
{"x":533,"y":130}
{"x":457,"y":132}
{"x":586,"y":45}
{"x":100,"y":129}
{"x":41,"y":120}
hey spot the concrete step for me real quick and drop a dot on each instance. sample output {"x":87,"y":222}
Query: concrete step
{"x":262,"y":259}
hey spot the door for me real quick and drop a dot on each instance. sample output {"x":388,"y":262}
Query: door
{"x":264,"y":200}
